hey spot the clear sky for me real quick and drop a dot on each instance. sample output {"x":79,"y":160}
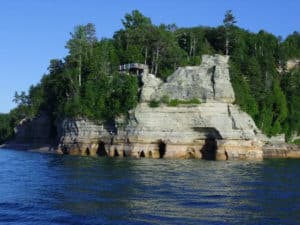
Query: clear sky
{"x":34,"y":31}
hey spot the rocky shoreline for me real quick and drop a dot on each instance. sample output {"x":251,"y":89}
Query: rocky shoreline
{"x":269,"y":151}
{"x":215,"y":128}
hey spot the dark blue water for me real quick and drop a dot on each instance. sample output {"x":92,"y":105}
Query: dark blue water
{"x":54,"y":189}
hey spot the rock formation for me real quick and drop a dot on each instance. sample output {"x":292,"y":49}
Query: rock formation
{"x":186,"y":130}
{"x":209,"y":82}
{"x":33,"y":133}
{"x":214,"y":129}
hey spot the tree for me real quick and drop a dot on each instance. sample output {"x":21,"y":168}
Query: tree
{"x":6,"y":130}
{"x":228,"y":22}
{"x":80,"y":46}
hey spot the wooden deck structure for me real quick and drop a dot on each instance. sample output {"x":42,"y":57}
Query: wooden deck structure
{"x":134,"y":68}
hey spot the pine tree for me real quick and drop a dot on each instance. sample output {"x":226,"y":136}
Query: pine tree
{"x":228,"y":22}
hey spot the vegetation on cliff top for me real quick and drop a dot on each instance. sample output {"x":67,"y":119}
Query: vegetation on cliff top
{"x":87,"y":83}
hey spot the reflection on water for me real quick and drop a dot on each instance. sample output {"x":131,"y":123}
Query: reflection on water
{"x":53,"y":189}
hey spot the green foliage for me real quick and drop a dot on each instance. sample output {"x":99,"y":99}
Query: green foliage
{"x":165,"y":99}
{"x":86,"y":82}
{"x":173,"y":102}
{"x":193,"y":101}
{"x":291,"y":85}
{"x":242,"y":91}
{"x":291,"y":46}
{"x":6,"y":130}
{"x":297,"y":142}
{"x":176,"y":102}
{"x":154,"y":103}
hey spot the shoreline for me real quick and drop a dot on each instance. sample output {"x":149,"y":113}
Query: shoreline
{"x":270,"y":151}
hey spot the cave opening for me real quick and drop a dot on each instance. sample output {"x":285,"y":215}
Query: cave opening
{"x":87,"y":151}
{"x":101,"y":151}
{"x":142,"y":154}
{"x":161,"y":149}
{"x":209,"y":149}
{"x":65,"y":150}
{"x":116,"y":153}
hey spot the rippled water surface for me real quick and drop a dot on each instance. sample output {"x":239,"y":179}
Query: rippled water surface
{"x":54,"y":189}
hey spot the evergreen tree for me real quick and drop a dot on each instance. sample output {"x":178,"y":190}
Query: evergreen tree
{"x":228,"y":22}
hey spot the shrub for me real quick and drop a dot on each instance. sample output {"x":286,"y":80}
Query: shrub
{"x":176,"y":102}
{"x":194,"y":101}
{"x":165,"y":99}
{"x":297,"y":142}
{"x":154,"y":104}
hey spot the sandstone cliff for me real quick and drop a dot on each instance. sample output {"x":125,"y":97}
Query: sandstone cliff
{"x":209,"y":82}
{"x":214,"y":129}
{"x":33,"y":133}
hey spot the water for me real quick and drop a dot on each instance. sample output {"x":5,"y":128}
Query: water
{"x":54,"y":189}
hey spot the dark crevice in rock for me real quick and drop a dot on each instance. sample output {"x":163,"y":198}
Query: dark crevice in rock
{"x":212,"y":79}
{"x":226,"y":155}
{"x":142,"y":154}
{"x":161,"y":149}
{"x":208,"y":132}
{"x":231,"y":117}
{"x":101,"y":149}
{"x":209,"y":149}
{"x":65,"y":150}
{"x":87,"y":151}
{"x":116,"y":153}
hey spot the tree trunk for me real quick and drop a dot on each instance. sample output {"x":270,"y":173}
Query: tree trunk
{"x":152,"y":64}
{"x":146,"y":55}
{"x":79,"y":70}
{"x":194,"y":47}
{"x":227,"y":45}
{"x":156,"y":61}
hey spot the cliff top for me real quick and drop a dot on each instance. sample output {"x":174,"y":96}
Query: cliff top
{"x":209,"y":82}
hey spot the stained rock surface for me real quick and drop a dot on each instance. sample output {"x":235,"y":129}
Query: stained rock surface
{"x":213,"y":129}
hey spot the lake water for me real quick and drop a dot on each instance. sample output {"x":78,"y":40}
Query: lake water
{"x":46,"y":189}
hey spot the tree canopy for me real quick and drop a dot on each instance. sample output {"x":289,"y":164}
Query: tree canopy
{"x":86,"y":83}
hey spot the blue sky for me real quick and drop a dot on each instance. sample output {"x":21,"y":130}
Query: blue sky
{"x":34,"y":31}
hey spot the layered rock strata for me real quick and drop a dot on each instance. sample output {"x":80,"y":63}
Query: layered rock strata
{"x":214,"y":129}
{"x":33,"y":133}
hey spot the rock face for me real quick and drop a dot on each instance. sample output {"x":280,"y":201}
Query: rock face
{"x":209,"y":82}
{"x":192,"y":127}
{"x":214,"y":129}
{"x":281,"y":151}
{"x":81,"y":136}
{"x":37,"y":129}
{"x":293,"y":63}
{"x":34,"y":133}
